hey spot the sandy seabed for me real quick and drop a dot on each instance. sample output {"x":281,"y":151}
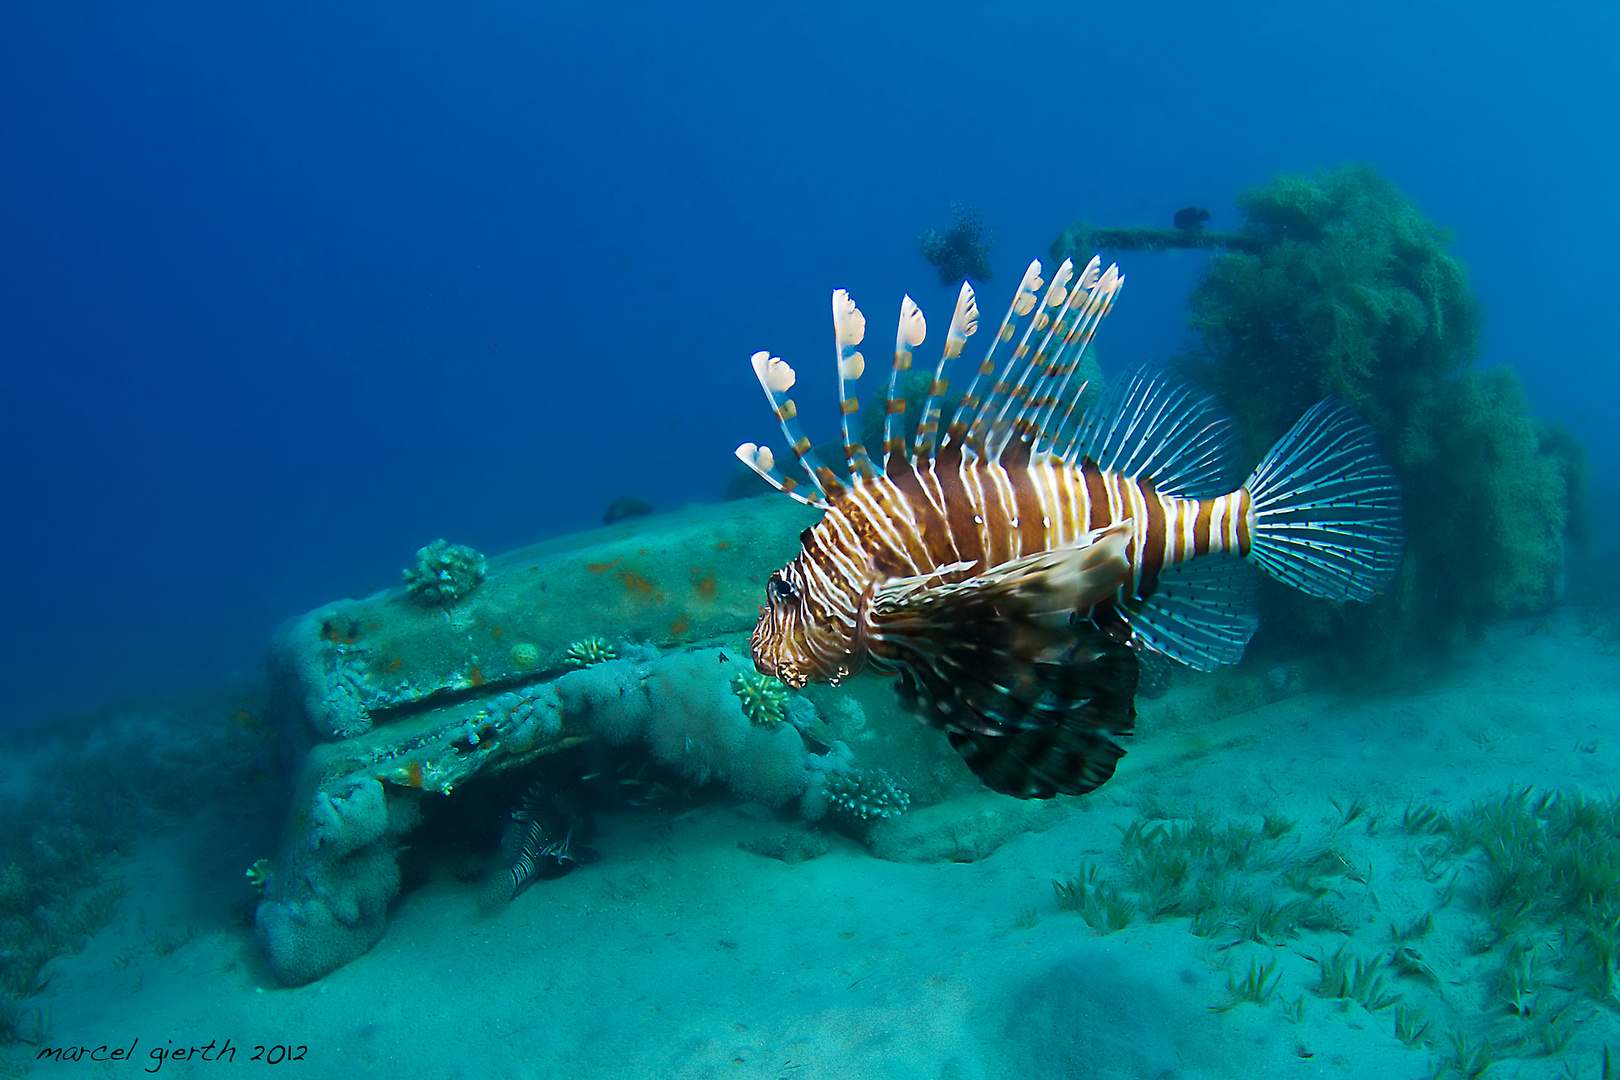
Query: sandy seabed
{"x":681,"y":954}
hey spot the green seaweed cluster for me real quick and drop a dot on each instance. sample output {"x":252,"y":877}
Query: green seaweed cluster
{"x":1525,"y":891}
{"x":589,"y":650}
{"x":1344,"y":288}
{"x":1219,"y":875}
{"x":1546,"y":876}
{"x":764,"y":697}
{"x":444,"y":573}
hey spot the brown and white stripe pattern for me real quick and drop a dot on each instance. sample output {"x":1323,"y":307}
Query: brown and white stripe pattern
{"x":965,"y":515}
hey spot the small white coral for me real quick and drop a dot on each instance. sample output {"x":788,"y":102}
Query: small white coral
{"x":587,"y":651}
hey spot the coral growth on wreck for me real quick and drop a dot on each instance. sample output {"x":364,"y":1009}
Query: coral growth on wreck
{"x":867,"y":794}
{"x":764,"y":699}
{"x":587,"y":651}
{"x":444,"y":573}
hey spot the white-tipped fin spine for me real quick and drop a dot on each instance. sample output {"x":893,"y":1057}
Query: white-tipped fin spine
{"x":966,"y":423}
{"x":763,"y":462}
{"x":964,"y":323}
{"x":1013,"y":411}
{"x":1099,"y":289}
{"x":849,"y":330}
{"x":776,"y":378}
{"x":912,"y":329}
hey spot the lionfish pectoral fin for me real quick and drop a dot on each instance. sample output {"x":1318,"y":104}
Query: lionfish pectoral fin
{"x":1202,"y":612}
{"x":1067,"y":759}
{"x":1074,"y":750}
{"x":1009,"y":664}
{"x":1042,"y":590}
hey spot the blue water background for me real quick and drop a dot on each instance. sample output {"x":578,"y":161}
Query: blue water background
{"x":289,"y":290}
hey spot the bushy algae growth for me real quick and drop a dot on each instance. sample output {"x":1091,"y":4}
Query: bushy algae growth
{"x":1345,"y":288}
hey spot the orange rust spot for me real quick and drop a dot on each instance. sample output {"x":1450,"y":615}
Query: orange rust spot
{"x":494,"y":631}
{"x":395,"y":664}
{"x":721,"y":545}
{"x":705,"y":584}
{"x":476,"y":676}
{"x":643,"y":551}
{"x":679,"y":627}
{"x":602,"y":567}
{"x":637,"y":584}
{"x":340,"y":631}
{"x":375,"y":624}
{"x":413,"y":774}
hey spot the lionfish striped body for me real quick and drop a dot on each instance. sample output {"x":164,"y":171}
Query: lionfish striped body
{"x":1008,"y":570}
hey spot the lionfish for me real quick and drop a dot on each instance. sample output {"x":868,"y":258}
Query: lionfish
{"x":1009,"y":567}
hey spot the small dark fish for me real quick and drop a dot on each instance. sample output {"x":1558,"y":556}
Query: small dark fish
{"x":548,"y":833}
{"x":629,"y":506}
{"x":1191,"y":217}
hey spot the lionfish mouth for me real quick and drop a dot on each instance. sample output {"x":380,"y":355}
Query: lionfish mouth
{"x":785,"y":670}
{"x":768,"y":660}
{"x":791,"y":675}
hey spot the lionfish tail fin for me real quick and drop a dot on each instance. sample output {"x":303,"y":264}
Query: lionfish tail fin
{"x":1326,"y":509}
{"x":1006,"y":663}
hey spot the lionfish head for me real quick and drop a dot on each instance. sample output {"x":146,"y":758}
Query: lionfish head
{"x":796,"y":639}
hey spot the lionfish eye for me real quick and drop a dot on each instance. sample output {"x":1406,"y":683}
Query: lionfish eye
{"x":780,"y":590}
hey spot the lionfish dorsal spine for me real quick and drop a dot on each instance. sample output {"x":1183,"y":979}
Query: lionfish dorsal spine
{"x":909,"y":334}
{"x":964,"y":323}
{"x":986,"y":433}
{"x":1101,"y":290}
{"x":776,"y":378}
{"x":966,"y":423}
{"x":763,"y":462}
{"x":1066,"y":345}
{"x":1012,"y":413}
{"x":849,"y":330}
